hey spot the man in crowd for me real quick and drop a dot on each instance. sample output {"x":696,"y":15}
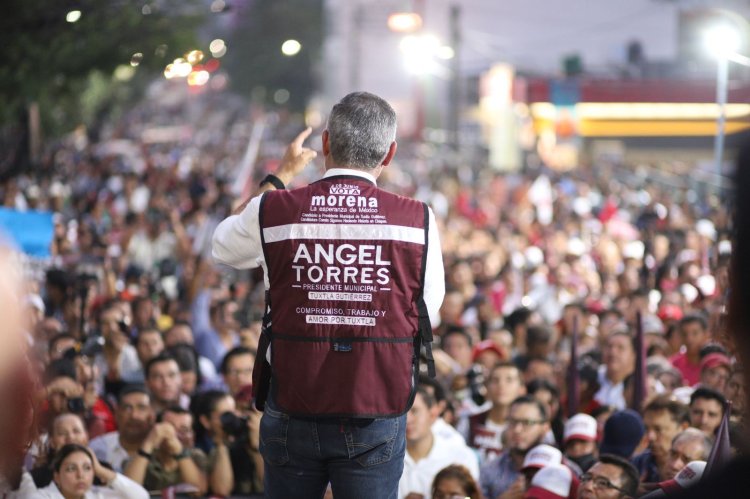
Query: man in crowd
{"x":664,"y":419}
{"x":385,"y":243}
{"x":716,"y":369}
{"x":149,"y":343}
{"x":426,"y":454}
{"x":164,"y":383}
{"x":237,"y":369}
{"x":689,"y":445}
{"x":526,"y":426}
{"x":612,"y":477}
{"x":706,"y":410}
{"x":486,"y":429}
{"x":619,"y":363}
{"x":118,"y":362}
{"x":164,"y":460}
{"x":135,"y":418}
{"x":580,"y":440}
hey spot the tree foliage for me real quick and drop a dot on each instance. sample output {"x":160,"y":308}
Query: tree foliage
{"x":48,"y":60}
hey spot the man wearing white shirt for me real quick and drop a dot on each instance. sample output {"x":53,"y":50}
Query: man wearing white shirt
{"x":427,"y":454}
{"x":619,"y":363}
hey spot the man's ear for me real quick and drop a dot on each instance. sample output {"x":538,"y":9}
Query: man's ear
{"x":391,"y":153}
{"x":326,"y":144}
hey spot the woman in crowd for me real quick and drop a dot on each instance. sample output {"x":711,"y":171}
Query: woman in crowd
{"x":455,"y":482}
{"x":74,"y":468}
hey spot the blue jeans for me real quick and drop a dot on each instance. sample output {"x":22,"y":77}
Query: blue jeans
{"x":361,"y":458}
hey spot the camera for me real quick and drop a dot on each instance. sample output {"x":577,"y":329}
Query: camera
{"x":475,"y":379}
{"x":76,"y":405}
{"x":234,"y":425}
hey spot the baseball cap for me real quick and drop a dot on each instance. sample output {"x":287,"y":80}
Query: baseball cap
{"x":687,"y":477}
{"x":580,"y":427}
{"x":623,"y":432}
{"x":715,"y":359}
{"x":486,"y":346}
{"x":540,"y":456}
{"x":555,"y":481}
{"x":669,"y":312}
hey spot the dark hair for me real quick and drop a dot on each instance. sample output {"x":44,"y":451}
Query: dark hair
{"x":517,"y":317}
{"x":528,"y":399}
{"x":147,"y":330}
{"x":504,"y":364}
{"x":459,"y":473}
{"x":699,"y":318}
{"x":174,"y":409}
{"x":537,"y":334}
{"x":427,"y":396}
{"x":437,"y":388}
{"x":629,"y":477}
{"x":162,"y":357}
{"x":712,"y":348}
{"x":539,"y":384}
{"x":60,"y":368}
{"x":204,"y":404}
{"x":708,"y":394}
{"x":629,"y":336}
{"x":132,"y":388}
{"x":67,"y":450}
{"x":677,"y":410}
{"x":456,"y":330}
{"x":235,"y":352}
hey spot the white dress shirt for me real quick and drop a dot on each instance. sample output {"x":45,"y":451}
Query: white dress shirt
{"x":108,"y":449}
{"x":237,"y":243}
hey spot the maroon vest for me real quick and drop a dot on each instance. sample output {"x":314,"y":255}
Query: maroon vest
{"x":346,"y":269}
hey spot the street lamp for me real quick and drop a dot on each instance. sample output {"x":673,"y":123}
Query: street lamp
{"x":722,"y":41}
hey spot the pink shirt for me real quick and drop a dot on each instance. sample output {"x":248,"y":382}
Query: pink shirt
{"x":691,"y":373}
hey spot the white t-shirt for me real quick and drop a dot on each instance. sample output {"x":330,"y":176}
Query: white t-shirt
{"x":418,"y":476}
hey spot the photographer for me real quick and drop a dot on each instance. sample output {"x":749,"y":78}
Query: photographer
{"x":118,"y":362}
{"x":211,"y":410}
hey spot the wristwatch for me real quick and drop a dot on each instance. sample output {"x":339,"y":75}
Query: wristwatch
{"x":182,"y":455}
{"x":273,"y":180}
{"x":145,"y":454}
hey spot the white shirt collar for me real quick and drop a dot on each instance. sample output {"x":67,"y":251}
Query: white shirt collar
{"x":333,"y":172}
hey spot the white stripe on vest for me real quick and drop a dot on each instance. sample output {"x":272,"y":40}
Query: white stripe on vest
{"x":344,"y":232}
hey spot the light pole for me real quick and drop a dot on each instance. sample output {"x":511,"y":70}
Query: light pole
{"x":723,"y":41}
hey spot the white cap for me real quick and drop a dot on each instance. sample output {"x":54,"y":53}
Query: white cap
{"x":553,"y":481}
{"x":634,"y":250}
{"x":541,"y":456}
{"x":687,"y":477}
{"x":706,"y":229}
{"x":580,"y":427}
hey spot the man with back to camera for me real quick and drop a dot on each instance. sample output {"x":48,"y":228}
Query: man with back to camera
{"x":355,"y":279}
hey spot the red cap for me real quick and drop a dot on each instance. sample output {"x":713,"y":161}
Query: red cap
{"x":486,"y":346}
{"x":669,"y":313}
{"x":715,"y":359}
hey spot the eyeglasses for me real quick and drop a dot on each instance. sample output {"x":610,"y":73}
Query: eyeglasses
{"x":599,"y":482}
{"x":526,"y":423}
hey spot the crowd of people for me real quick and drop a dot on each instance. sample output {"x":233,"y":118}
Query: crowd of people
{"x":146,"y":347}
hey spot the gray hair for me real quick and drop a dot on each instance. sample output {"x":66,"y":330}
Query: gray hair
{"x":361,"y":128}
{"x":695,"y":434}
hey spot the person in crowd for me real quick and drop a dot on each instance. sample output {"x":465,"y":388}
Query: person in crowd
{"x":526,"y":426}
{"x":580,"y":440}
{"x":187,"y":361}
{"x":486,"y":354}
{"x":457,"y":343}
{"x":148,"y":344}
{"x":735,"y":391}
{"x":619,"y":363}
{"x":537,"y":458}
{"x":538,"y":345}
{"x":358,"y":143}
{"x":135,"y":418}
{"x":716,"y":369}
{"x":554,"y":481}
{"x":213,"y":438}
{"x":455,"y":481}
{"x":163,"y":460}
{"x":67,"y":428}
{"x":182,"y":333}
{"x":689,"y":445}
{"x":706,"y":410}
{"x":425,"y":454}
{"x":486,"y":428}
{"x":118,"y":362}
{"x":237,"y":369}
{"x":664,"y":419}
{"x":247,"y":463}
{"x":164,"y":382}
{"x":75,"y":467}
{"x":622,"y":434}
{"x":547,"y":393}
{"x":695,"y":335}
{"x":441,"y":429}
{"x":612,"y":477}
{"x":220,"y":334}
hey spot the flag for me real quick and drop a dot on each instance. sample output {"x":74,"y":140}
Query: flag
{"x":721,"y":451}
{"x":640,"y":377}
{"x":574,"y":383}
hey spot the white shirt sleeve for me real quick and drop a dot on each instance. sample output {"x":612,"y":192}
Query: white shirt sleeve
{"x":434,"y":279}
{"x":236,"y":240}
{"x":122,"y":487}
